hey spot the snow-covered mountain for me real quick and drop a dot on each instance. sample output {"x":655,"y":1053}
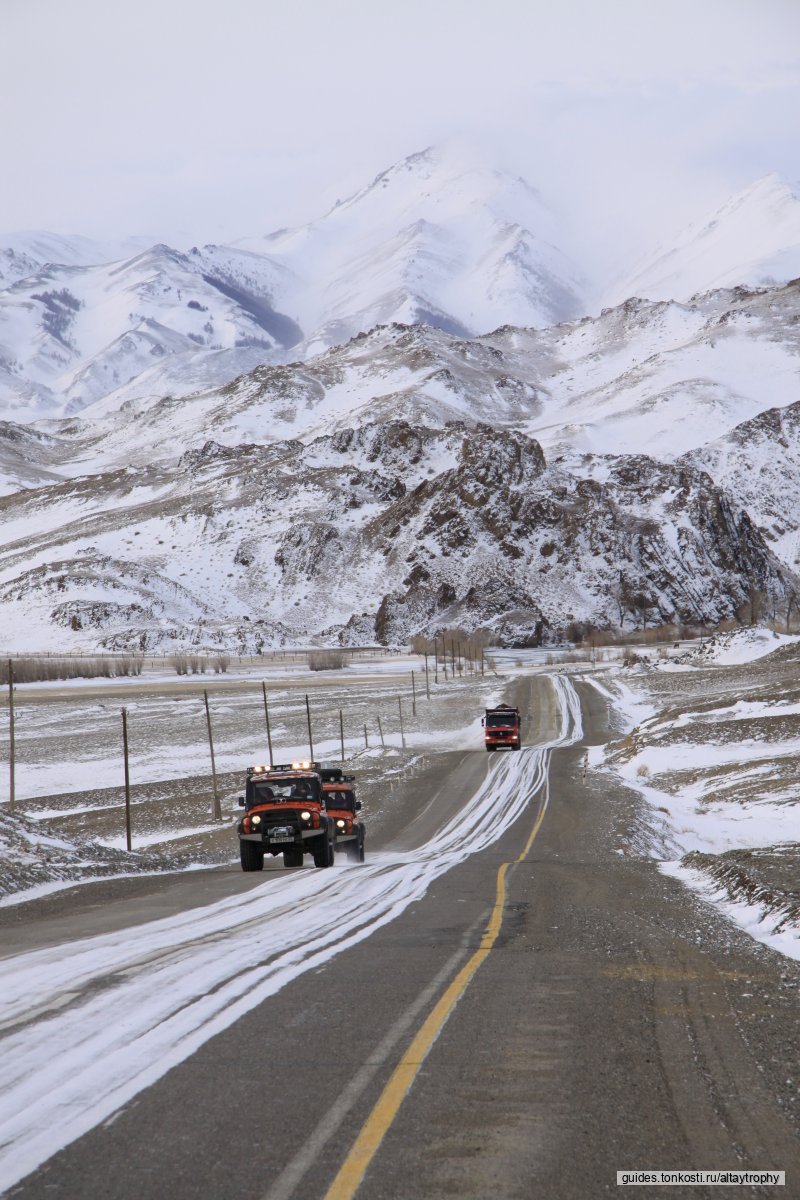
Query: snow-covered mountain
{"x":432,"y":239}
{"x":645,"y":378}
{"x":753,"y":240}
{"x":408,"y":466}
{"x":222,"y":464}
{"x":70,"y":335}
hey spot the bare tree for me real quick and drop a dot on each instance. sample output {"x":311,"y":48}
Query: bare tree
{"x":756,"y":604}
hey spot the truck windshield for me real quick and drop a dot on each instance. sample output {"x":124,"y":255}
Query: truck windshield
{"x":495,"y":719}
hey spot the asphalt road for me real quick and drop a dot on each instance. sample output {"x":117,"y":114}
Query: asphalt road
{"x":616,"y":1023}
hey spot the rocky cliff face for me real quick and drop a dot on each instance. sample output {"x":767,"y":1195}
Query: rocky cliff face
{"x":504,"y":542}
{"x":759,"y":462}
{"x":378,"y":533}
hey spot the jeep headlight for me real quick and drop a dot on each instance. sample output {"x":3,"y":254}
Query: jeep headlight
{"x":256,"y":820}
{"x":305,"y":816}
{"x":340,"y":823}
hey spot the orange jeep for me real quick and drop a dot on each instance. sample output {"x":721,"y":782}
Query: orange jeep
{"x":342,"y":806}
{"x":285,"y":813}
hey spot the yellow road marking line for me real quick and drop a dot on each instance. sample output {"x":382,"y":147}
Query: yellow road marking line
{"x":377,"y":1125}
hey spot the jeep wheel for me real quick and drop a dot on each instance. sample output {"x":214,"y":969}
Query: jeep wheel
{"x":323,"y":851}
{"x":355,"y":850}
{"x":293,"y":857}
{"x":252,"y":856}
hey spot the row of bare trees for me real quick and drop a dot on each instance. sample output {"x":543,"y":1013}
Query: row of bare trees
{"x":34,"y":669}
{"x":198,"y":664}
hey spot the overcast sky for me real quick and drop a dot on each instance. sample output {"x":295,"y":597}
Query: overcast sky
{"x":202,"y":120}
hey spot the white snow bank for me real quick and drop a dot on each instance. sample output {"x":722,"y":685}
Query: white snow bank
{"x":739,"y":646}
{"x":749,"y":917}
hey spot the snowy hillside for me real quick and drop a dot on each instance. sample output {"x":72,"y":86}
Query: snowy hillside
{"x":644,"y":378}
{"x":752,"y":240}
{"x":23,"y":254}
{"x":758,"y":463}
{"x":375,"y":532}
{"x":432,"y":240}
{"x":69,"y":335}
{"x":659,"y":378}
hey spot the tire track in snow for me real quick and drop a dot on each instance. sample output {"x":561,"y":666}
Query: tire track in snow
{"x":138,"y":1002}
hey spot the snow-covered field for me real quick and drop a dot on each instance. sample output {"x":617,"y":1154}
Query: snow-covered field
{"x":69,"y":744}
{"x":714,"y":750}
{"x":178,"y":982}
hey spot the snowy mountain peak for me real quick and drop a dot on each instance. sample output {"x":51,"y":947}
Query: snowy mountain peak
{"x":752,"y":240}
{"x":437,"y":237}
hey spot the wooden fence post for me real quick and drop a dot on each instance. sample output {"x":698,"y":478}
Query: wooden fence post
{"x":310,"y":738}
{"x":413,"y":696}
{"x":427,"y":680}
{"x":266,"y":718}
{"x":380,"y":731}
{"x":216,"y":811}
{"x":128,"y":841}
{"x":12,"y":745}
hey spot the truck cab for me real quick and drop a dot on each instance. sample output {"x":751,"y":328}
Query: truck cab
{"x":285,"y":813}
{"x":502,"y":728}
{"x":343,"y":808}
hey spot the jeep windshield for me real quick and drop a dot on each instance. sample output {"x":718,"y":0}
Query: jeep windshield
{"x":280,"y":790}
{"x":343,"y":800}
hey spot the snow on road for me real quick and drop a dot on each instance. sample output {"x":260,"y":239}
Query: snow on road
{"x":95,"y":1021}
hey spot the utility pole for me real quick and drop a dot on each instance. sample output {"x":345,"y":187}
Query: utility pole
{"x":12,"y":745}
{"x":341,"y":732}
{"x":216,"y":811}
{"x":310,"y":738}
{"x":266,"y":718}
{"x":427,"y":680}
{"x":128,"y":841}
{"x":413,"y":696}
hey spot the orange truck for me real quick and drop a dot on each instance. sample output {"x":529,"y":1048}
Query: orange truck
{"x":502,"y":728}
{"x":343,"y":808}
{"x":285,"y":812}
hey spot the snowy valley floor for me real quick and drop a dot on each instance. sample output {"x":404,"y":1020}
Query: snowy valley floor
{"x":709,"y":738}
